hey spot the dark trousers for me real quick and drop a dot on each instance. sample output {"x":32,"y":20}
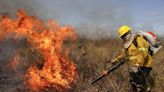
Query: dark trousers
{"x":138,"y":78}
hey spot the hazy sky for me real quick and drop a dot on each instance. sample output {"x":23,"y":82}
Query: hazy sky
{"x":94,"y":15}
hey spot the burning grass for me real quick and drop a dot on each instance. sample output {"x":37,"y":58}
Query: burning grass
{"x":57,"y":70}
{"x":37,"y":56}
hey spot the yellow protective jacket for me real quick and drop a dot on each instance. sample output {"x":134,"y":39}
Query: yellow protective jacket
{"x":137,"y":53}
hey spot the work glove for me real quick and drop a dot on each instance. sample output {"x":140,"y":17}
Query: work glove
{"x":113,"y":61}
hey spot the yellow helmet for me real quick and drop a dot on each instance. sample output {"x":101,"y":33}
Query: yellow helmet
{"x":123,"y":30}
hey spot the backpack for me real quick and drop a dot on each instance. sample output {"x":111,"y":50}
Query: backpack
{"x":152,"y":39}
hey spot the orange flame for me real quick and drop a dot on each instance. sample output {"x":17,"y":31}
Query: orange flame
{"x":58,"y":71}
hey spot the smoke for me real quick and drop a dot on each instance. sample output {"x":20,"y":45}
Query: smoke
{"x":10,"y":7}
{"x":12,"y":70}
{"x":100,"y":18}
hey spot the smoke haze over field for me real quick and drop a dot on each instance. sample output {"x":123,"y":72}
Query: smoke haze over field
{"x":102,"y":17}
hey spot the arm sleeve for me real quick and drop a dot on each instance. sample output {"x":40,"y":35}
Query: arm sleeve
{"x":120,"y":56}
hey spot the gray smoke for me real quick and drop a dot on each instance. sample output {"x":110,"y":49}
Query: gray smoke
{"x":100,"y":18}
{"x":91,"y":18}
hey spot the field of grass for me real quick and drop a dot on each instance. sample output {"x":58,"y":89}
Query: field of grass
{"x":91,"y":57}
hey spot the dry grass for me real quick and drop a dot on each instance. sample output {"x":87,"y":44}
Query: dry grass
{"x":91,"y":57}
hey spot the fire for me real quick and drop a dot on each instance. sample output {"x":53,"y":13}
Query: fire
{"x":58,"y":71}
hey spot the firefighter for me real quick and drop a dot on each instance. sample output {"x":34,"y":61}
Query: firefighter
{"x":136,"y":52}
